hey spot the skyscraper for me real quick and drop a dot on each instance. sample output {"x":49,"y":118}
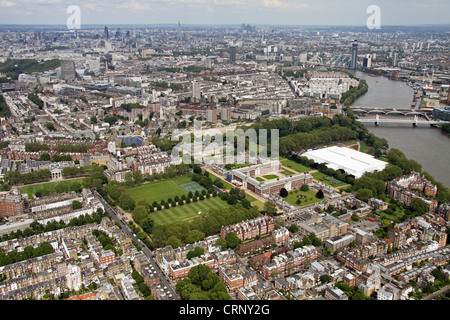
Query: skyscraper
{"x":232,"y":53}
{"x":367,"y":62}
{"x":395,"y":59}
{"x":196,"y":90}
{"x":179,"y":37}
{"x":354,"y":54}
{"x":106,"y":33}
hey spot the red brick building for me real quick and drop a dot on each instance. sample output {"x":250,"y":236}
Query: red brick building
{"x":249,"y":229}
{"x":11,"y":204}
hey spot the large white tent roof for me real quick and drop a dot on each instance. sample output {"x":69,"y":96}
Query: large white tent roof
{"x":349,"y":160}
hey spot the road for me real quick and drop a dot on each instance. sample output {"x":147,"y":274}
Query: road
{"x":164,"y":281}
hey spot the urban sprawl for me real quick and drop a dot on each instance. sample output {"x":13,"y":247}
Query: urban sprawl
{"x":95,"y":206}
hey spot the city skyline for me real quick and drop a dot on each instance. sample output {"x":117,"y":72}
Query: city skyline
{"x":260,"y":12}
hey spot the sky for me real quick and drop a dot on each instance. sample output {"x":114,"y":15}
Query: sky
{"x":271,"y":12}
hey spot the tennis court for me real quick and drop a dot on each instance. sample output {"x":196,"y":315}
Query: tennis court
{"x":191,"y":187}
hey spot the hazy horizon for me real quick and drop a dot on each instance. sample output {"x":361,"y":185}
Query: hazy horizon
{"x":226,"y":12}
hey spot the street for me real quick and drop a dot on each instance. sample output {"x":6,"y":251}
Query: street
{"x":164,"y":281}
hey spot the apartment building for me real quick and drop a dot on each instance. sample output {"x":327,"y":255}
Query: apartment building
{"x":289,"y":262}
{"x":236,"y":276}
{"x":411,"y":186}
{"x":12,"y":203}
{"x":106,"y":257}
{"x":249,"y":229}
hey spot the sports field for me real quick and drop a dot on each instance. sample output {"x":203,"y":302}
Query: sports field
{"x":187,"y":212}
{"x":163,"y":190}
{"x":50,"y":186}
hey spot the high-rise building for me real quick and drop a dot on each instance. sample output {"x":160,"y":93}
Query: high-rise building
{"x":232,"y":53}
{"x":354,"y":55}
{"x":367,"y":62}
{"x":68,"y":70}
{"x":196,"y":90}
{"x":179,"y":37}
{"x":225,"y":114}
{"x":395,"y":59}
{"x":106,"y":33}
{"x":211,"y":115}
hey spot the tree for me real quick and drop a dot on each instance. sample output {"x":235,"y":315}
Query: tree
{"x":76,"y":205}
{"x":364,"y":194}
{"x":44,"y":157}
{"x":232,"y":240}
{"x":197,"y":168}
{"x":270,"y":208}
{"x":304,"y":188}
{"x":218,"y":183}
{"x":325,"y":278}
{"x":284,"y":193}
{"x":319,"y":194}
{"x":199,"y":273}
{"x":50,"y":126}
{"x":293,"y":228}
{"x":139,"y":214}
{"x":126,"y":202}
{"x":418,"y":206}
{"x":194,"y":236}
{"x":174,"y":242}
{"x":197,"y":252}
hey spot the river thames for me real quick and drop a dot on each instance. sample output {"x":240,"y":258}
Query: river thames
{"x":428,"y":146}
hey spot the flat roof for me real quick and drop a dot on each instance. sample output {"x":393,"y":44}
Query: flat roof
{"x":350,"y":160}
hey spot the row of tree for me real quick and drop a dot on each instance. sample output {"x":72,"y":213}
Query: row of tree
{"x":304,"y":140}
{"x":16,"y":178}
{"x":351,"y":95}
{"x":37,"y":228}
{"x":28,"y":253}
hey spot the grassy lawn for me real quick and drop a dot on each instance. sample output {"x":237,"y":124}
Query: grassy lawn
{"x":310,"y":197}
{"x":287,"y":172}
{"x":295,"y":166}
{"x":348,"y":142}
{"x":257,"y":204}
{"x":362,"y":146}
{"x":160,"y":190}
{"x":327,"y":179}
{"x":395,"y":216}
{"x":226,"y":184}
{"x":260,"y":179}
{"x":187,"y":212}
{"x":270,"y":176}
{"x":48,"y":186}
{"x":236,"y":165}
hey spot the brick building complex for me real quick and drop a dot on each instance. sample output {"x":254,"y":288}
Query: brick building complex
{"x":411,"y":186}
{"x":246,"y":177}
{"x":250,"y":228}
{"x":12,"y":203}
